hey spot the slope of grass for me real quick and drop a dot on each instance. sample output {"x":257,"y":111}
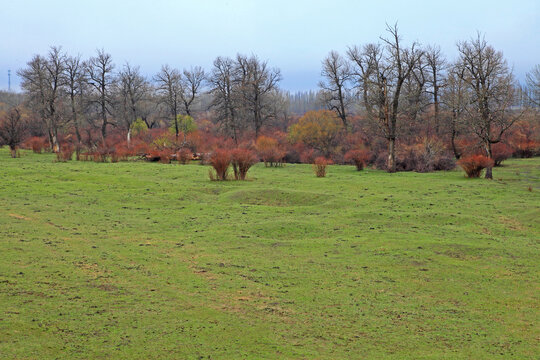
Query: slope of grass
{"x":142,"y":260}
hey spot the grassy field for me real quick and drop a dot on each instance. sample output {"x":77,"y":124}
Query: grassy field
{"x":143,"y":260}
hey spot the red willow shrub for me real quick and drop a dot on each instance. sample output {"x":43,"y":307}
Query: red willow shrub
{"x":124,"y":152}
{"x":220,"y":160}
{"x":358,"y":157}
{"x":319,"y":166}
{"x":474,"y":164}
{"x":156,"y":155}
{"x":184,"y":156}
{"x":501,"y":152}
{"x":65,"y":153}
{"x":100,"y":155}
{"x":308,"y":156}
{"x":37,"y":144}
{"x":242,"y":160}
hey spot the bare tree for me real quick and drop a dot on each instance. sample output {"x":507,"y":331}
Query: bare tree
{"x":133,"y":89}
{"x":335,"y":94}
{"x":224,"y":96}
{"x":12,"y":130}
{"x":43,"y":79}
{"x":490,"y":84}
{"x":454,"y":98}
{"x":533,"y":83}
{"x":191,"y":84}
{"x":169,"y":89}
{"x":436,"y":67}
{"x":256,"y":84}
{"x":415,"y":90}
{"x":75,"y":82}
{"x":100,"y":77}
{"x":380,"y":73}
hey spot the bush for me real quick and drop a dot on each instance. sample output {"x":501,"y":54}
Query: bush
{"x":100,"y":155}
{"x":115,"y":157}
{"x":425,"y":156}
{"x":220,"y":161}
{"x":242,"y":160}
{"x":269,"y":151}
{"x":123,"y":152}
{"x":184,"y":156}
{"x":37,"y":144}
{"x":319,"y":166}
{"x":65,"y":153}
{"x":358,"y":157}
{"x":474,"y":164}
{"x":501,"y":152}
{"x":526,"y":148}
{"x":308,"y":156}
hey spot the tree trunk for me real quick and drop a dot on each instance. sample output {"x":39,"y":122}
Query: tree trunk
{"x":489,"y":169}
{"x":51,"y":140}
{"x":13,"y":151}
{"x":453,"y":138}
{"x":391,"y":155}
{"x":103,"y":131}
{"x":56,"y":146}
{"x":129,"y":137}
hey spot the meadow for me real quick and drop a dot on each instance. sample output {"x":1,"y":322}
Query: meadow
{"x":138,"y":260}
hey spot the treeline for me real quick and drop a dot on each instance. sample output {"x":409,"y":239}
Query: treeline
{"x":403,"y":106}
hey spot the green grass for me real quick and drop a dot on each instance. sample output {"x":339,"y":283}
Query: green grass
{"x":143,"y":260}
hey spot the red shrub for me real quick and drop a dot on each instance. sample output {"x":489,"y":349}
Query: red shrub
{"x":474,"y":164}
{"x":65,"y":153}
{"x":124,"y":152}
{"x":428,"y":154}
{"x":37,"y":144}
{"x":358,"y":157}
{"x":140,"y":148}
{"x":319,"y":166}
{"x":501,"y":152}
{"x":308,"y":156}
{"x":468,"y":146}
{"x":220,"y":161}
{"x":100,"y":155}
{"x":242,"y":160}
{"x":184,"y":156}
{"x":163,"y":156}
{"x":115,"y":157}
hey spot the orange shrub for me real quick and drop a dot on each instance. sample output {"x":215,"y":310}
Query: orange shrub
{"x":358,"y":157}
{"x":474,"y":164}
{"x":242,"y":160}
{"x":269,"y":150}
{"x":319,"y":166}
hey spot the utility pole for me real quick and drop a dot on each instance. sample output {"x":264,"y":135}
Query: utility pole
{"x":9,"y":80}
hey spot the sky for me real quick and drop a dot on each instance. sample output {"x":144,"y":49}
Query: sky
{"x":293,"y":36}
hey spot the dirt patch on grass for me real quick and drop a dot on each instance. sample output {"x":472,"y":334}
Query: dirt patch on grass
{"x":511,"y":224}
{"x":20,"y":217}
{"x":276,"y":197}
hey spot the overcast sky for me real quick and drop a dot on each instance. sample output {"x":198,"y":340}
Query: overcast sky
{"x":292,"y":35}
